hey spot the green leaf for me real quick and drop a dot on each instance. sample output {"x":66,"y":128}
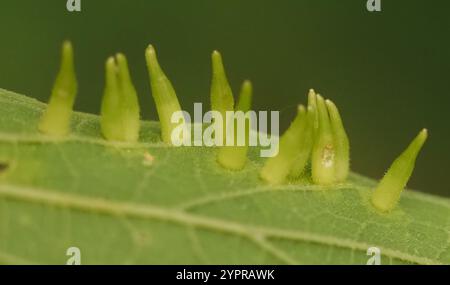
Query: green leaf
{"x":147,"y":202}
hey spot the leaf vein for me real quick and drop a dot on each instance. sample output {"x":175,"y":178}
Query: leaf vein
{"x":107,"y":207}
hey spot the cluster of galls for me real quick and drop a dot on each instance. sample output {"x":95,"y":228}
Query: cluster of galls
{"x":316,"y":137}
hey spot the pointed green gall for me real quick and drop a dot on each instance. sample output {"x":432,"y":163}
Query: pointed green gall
{"x":56,"y":119}
{"x":323,"y":159}
{"x":221,"y":95}
{"x":387,"y":193}
{"x":245,"y":97}
{"x":277,"y":168}
{"x":163,"y":94}
{"x":305,"y":145}
{"x":235,"y":157}
{"x":120,"y":119}
{"x":310,"y":134}
{"x":312,"y":102}
{"x":341,"y":143}
{"x":330,"y":159}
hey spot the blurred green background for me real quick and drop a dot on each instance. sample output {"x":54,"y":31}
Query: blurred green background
{"x":388,"y":72}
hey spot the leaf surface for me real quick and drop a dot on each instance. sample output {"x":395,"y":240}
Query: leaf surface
{"x":146,"y":203}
